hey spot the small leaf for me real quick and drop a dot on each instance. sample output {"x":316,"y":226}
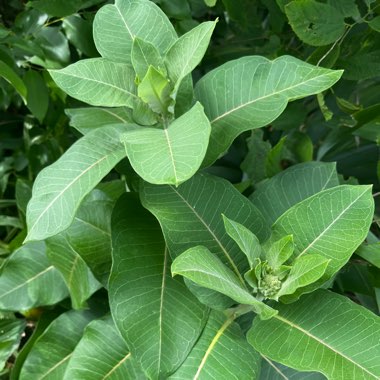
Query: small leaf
{"x":99,"y":82}
{"x":341,"y":337}
{"x":143,"y":55}
{"x":102,"y":354}
{"x":315,"y":23}
{"x":279,"y":251}
{"x":28,"y":280}
{"x":38,"y":95}
{"x":222,"y":352}
{"x":375,"y":23}
{"x":304,"y":271}
{"x":60,"y":188}
{"x":171,"y":155}
{"x":187,"y":52}
{"x":13,"y":78}
{"x":244,"y":238}
{"x":116,"y":26}
{"x":11,"y":332}
{"x":154,"y":90}
{"x":201,"y":266}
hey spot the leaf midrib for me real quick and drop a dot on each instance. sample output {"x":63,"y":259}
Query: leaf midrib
{"x":325,"y":344}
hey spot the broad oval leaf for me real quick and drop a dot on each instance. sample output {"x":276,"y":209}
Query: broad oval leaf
{"x":341,"y":337}
{"x":99,"y":82}
{"x":293,"y":185}
{"x":173,"y":154}
{"x":60,"y":188}
{"x":331,"y":223}
{"x":204,"y":268}
{"x":116,"y":26}
{"x":250,"y":92}
{"x":102,"y":354}
{"x":157,"y":315}
{"x":222,"y":352}
{"x":11,"y":331}
{"x":315,"y":23}
{"x":52,"y":351}
{"x":191,"y":215}
{"x":28,"y":280}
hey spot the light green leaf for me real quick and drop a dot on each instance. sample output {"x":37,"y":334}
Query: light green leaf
{"x":204,"y":268}
{"x":171,"y":155}
{"x":143,"y":55}
{"x":304,"y":271}
{"x":60,"y":188}
{"x":279,"y":251}
{"x":244,"y":238}
{"x":154,"y":90}
{"x":342,"y":338}
{"x":77,"y":275}
{"x":370,"y":252}
{"x":102,"y":354}
{"x":12,"y":77}
{"x":99,"y":82}
{"x":251,"y":92}
{"x":291,"y":186}
{"x":186,"y":53}
{"x":28,"y":280}
{"x":146,"y":302}
{"x":90,"y":234}
{"x":348,"y":8}
{"x":315,"y":23}
{"x":87,"y":119}
{"x":222,"y":352}
{"x":11,"y":331}
{"x":331,"y":223}
{"x":115,"y":27}
{"x":52,"y":351}
{"x":191,"y":211}
{"x":210,"y":3}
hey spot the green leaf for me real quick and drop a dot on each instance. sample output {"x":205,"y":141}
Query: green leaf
{"x":102,"y":354}
{"x":146,"y":302}
{"x":78,"y":277}
{"x":331,"y":223}
{"x":28,"y":280}
{"x":87,"y":119}
{"x":143,"y":55}
{"x":370,"y":252}
{"x":304,"y":271}
{"x":12,"y":77}
{"x":52,"y":351}
{"x":154,"y":90}
{"x":210,"y":3}
{"x":315,"y":23}
{"x":171,"y":155}
{"x":251,"y":92}
{"x":38,"y":95}
{"x":116,"y":26}
{"x":186,"y":53}
{"x":246,"y":240}
{"x":58,"y":8}
{"x":195,"y":209}
{"x":11,"y":332}
{"x":280,"y":251}
{"x":60,"y":188}
{"x":204,"y":268}
{"x":99,"y":82}
{"x":348,"y":8}
{"x":375,"y":23}
{"x":291,"y":186}
{"x":341,"y":337}
{"x":222,"y":352}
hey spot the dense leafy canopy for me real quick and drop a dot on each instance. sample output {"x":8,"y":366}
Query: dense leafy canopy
{"x":189,"y":189}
